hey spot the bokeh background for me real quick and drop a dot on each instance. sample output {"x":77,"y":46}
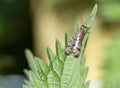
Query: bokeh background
{"x":35,"y":24}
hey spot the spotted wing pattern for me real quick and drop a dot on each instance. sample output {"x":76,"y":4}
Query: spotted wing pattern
{"x":76,"y":42}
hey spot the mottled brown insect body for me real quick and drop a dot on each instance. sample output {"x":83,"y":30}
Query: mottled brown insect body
{"x":76,"y":42}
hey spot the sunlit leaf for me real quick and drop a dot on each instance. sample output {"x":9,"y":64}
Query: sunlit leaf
{"x":64,"y":71}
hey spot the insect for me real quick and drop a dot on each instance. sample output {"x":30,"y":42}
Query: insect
{"x":76,"y":42}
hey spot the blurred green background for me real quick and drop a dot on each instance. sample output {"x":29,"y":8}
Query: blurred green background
{"x":15,"y":35}
{"x":35,"y":24}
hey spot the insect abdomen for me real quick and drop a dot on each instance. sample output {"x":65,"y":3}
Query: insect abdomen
{"x":78,"y":42}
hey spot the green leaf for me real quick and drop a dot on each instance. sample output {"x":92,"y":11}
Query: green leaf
{"x":51,"y":56}
{"x":88,"y":23}
{"x":64,"y":71}
{"x":90,"y":19}
{"x":30,"y":59}
{"x":78,"y":25}
{"x":59,"y":51}
{"x":67,"y":38}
